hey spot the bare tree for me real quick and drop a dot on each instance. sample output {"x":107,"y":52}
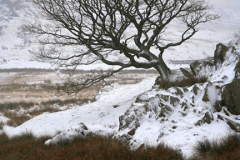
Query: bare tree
{"x":135,"y":29}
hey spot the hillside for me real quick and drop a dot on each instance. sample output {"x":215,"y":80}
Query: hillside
{"x":139,"y":114}
{"x":16,"y":41}
{"x":144,"y":114}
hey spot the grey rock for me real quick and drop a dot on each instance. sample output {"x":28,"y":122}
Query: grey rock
{"x":197,"y":66}
{"x":115,"y":106}
{"x":232,"y":124}
{"x":195,"y":89}
{"x":208,"y":118}
{"x":231,"y":95}
{"x":219,"y":54}
{"x":217,"y":106}
{"x":186,"y":73}
{"x":237,"y":70}
{"x":157,"y":80}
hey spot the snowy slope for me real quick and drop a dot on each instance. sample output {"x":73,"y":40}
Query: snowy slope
{"x":15,"y":41}
{"x":117,"y":111}
{"x":97,"y":115}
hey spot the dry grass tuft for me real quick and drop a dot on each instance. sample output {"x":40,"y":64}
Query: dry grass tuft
{"x":92,"y":146}
{"x":16,"y":105}
{"x":15,"y":118}
{"x":65,"y":102}
{"x":224,"y":149}
{"x":11,"y":110}
{"x":38,"y":111}
{"x":165,"y":84}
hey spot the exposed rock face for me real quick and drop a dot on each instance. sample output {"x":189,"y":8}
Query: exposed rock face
{"x":208,"y":118}
{"x":157,"y":81}
{"x":199,"y":104}
{"x":233,"y":125}
{"x":186,"y":73}
{"x":237,"y":70}
{"x":154,"y":108}
{"x":219,"y":54}
{"x":196,"y":67}
{"x":231,"y":96}
{"x":79,"y":129}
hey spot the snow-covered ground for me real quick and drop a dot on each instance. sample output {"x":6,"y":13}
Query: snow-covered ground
{"x":178,"y":129}
{"x":15,"y":41}
{"x":103,"y":115}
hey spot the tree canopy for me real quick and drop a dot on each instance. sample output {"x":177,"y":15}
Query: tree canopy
{"x":137,"y":30}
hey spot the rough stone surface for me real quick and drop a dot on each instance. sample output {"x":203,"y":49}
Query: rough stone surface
{"x":205,"y":96}
{"x":186,"y":73}
{"x":237,"y":70}
{"x":231,"y":95}
{"x":142,"y":98}
{"x":193,"y":71}
{"x":128,"y":121}
{"x":179,"y":91}
{"x":158,"y":106}
{"x":208,"y":118}
{"x":233,"y":125}
{"x":219,"y":54}
{"x":157,"y":80}
{"x":217,"y":106}
{"x":197,"y":66}
{"x":195,"y":89}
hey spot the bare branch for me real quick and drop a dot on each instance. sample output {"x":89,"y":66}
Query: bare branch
{"x":100,"y":29}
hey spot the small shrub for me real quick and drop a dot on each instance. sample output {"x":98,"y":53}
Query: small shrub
{"x":23,"y":137}
{"x":64,"y":102}
{"x":184,"y":82}
{"x":15,"y":119}
{"x":16,"y":105}
{"x":4,"y":139}
{"x":38,"y":111}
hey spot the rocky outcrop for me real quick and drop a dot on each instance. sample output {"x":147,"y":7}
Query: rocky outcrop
{"x":208,"y":118}
{"x":237,"y":70}
{"x":219,"y":54}
{"x":231,"y":95}
{"x":158,"y":80}
{"x":196,"y":67}
{"x":232,"y":124}
{"x":79,"y":129}
{"x":186,"y":73}
{"x":154,"y":107}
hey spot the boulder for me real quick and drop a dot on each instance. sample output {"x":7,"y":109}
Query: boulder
{"x":197,"y":66}
{"x":232,"y":124}
{"x":208,"y":118}
{"x":217,"y":106}
{"x":237,"y":70}
{"x":231,"y":95}
{"x":205,"y":96}
{"x":186,"y":73}
{"x":128,"y":121}
{"x":219,"y":54}
{"x":157,"y":80}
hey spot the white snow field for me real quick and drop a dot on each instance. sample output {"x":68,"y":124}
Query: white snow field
{"x":178,"y":129}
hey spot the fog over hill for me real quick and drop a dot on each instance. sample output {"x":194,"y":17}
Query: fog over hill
{"x":16,"y":41}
